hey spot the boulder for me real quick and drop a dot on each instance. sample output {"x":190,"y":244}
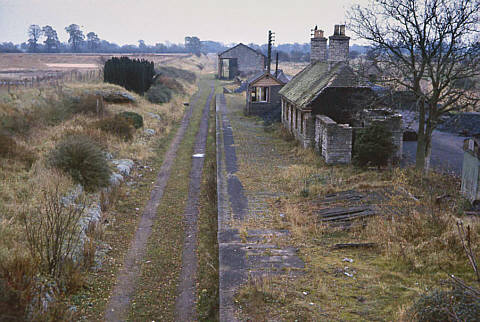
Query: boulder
{"x":124,"y":166}
{"x":118,"y":97}
{"x":149,"y":132}
{"x":155,"y":116}
{"x":115,"y":179}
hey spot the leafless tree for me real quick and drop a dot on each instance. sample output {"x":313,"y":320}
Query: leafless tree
{"x":429,"y":48}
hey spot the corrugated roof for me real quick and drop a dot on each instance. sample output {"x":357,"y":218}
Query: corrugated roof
{"x":307,"y":85}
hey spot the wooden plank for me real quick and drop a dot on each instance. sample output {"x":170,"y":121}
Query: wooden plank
{"x":359,"y":215}
{"x":328,"y":212}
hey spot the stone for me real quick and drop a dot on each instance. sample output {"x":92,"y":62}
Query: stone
{"x":118,"y":97}
{"x":124,"y":166}
{"x":115,"y":179}
{"x":155,"y":116}
{"x":149,"y":132}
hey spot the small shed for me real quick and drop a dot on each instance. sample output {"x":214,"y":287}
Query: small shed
{"x":239,"y":60}
{"x":470,"y":170}
{"x":262,"y":94}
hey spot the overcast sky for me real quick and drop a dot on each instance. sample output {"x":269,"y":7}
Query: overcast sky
{"x":127,"y":21}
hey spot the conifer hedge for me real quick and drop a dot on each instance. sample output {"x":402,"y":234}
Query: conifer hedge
{"x":133,"y":74}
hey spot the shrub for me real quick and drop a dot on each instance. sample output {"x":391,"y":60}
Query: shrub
{"x":83,"y":160}
{"x":133,"y":74}
{"x":117,"y":125}
{"x":159,"y":94}
{"x":373,"y":146}
{"x":135,"y":119}
{"x":444,"y":305}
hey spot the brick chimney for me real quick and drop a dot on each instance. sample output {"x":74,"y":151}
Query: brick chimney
{"x":338,"y":46}
{"x":318,"y":47}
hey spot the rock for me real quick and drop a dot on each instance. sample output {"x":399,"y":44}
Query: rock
{"x":108,"y":156}
{"x":73,"y":195}
{"x":118,"y":97}
{"x":124,"y":166}
{"x":155,"y":116}
{"x":115,"y":179}
{"x":149,"y":131}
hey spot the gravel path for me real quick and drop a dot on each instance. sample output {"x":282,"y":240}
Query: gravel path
{"x":185,"y":308}
{"x":119,"y":303}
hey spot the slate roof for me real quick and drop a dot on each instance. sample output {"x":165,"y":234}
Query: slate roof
{"x":310,"y":83}
{"x":240,"y":44}
{"x":281,"y":77}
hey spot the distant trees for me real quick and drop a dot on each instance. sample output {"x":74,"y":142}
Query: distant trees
{"x":426,"y":47}
{"x":93,"y":41}
{"x":9,"y":47}
{"x":193,"y":45}
{"x":34,"y":34}
{"x":76,"y":37}
{"x":51,"y":42}
{"x":133,"y":74}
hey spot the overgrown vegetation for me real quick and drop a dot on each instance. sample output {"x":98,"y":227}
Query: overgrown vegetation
{"x":159,"y":94}
{"x":134,"y":118}
{"x":373,"y":146}
{"x":83,"y":160}
{"x":117,"y":125}
{"x":133,"y":74}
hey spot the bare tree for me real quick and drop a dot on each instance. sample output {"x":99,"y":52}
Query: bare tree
{"x":34,"y":34}
{"x":427,"y":47}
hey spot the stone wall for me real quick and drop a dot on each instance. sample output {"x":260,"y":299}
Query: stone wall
{"x":333,"y":141}
{"x":248,"y":59}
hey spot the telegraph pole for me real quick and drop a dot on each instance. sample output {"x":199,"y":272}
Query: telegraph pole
{"x":271,"y":39}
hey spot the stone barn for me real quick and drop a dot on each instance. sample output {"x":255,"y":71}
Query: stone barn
{"x":324,"y":103}
{"x":471,"y":168}
{"x":240,"y":60}
{"x":262,"y":96}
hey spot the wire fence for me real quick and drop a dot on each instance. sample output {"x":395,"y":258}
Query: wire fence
{"x":52,"y":80}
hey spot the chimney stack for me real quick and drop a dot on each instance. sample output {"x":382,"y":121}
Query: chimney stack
{"x":339,"y":45}
{"x":318,"y":47}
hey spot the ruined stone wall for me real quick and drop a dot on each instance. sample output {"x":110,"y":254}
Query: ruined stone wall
{"x":333,"y":141}
{"x":248,"y":60}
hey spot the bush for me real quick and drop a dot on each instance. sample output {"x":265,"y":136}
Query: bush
{"x":444,"y":305}
{"x":135,"y":119}
{"x":16,"y":124}
{"x":373,"y":146}
{"x":159,"y":94}
{"x":133,"y":74}
{"x":117,"y":125}
{"x":83,"y":160}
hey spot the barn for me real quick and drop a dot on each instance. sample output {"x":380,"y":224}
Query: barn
{"x":240,"y":60}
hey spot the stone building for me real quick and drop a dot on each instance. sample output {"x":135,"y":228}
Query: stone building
{"x":262,"y":96}
{"x":240,"y":60}
{"x":471,"y":169}
{"x":324,"y":103}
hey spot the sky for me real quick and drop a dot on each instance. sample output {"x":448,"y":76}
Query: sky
{"x":127,"y":21}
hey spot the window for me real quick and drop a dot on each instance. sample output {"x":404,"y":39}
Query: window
{"x":262,"y":94}
{"x":254,"y":94}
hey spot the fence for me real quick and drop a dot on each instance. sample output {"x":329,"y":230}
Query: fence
{"x":51,"y":80}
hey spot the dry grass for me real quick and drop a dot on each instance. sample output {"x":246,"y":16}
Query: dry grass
{"x":32,"y":111}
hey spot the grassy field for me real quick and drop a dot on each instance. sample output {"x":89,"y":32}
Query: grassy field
{"x":33,"y":122}
{"x":416,"y":239}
